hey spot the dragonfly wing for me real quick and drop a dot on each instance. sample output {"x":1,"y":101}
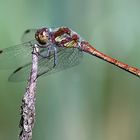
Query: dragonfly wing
{"x":20,"y":74}
{"x":67,"y":57}
{"x":28,"y":35}
{"x":16,"y":56}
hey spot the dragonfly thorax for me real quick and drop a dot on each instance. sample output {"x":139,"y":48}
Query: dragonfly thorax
{"x":66,"y":37}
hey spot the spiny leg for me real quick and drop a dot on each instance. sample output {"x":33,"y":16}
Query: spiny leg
{"x":55,"y":57}
{"x":48,"y":47}
{"x":55,"y":60}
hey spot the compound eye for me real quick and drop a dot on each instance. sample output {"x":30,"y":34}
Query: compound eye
{"x":42,"y":36}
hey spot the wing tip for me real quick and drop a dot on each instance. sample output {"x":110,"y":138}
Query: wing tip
{"x":27,"y":31}
{"x":12,"y":78}
{"x":17,"y":69}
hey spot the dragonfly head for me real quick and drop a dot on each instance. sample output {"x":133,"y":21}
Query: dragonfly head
{"x":42,"y":36}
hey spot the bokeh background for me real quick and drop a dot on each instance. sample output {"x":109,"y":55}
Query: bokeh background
{"x":93,"y":101}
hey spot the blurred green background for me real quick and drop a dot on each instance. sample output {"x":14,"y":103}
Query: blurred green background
{"x":93,"y":101}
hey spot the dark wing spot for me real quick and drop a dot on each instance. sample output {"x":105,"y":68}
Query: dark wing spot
{"x":27,"y":31}
{"x":17,"y":69}
{"x":1,"y":51}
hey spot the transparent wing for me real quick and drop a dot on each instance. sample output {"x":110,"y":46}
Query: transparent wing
{"x":16,"y":56}
{"x":67,"y":57}
{"x":28,"y":35}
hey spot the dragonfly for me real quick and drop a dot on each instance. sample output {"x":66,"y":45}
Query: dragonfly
{"x":60,"y":48}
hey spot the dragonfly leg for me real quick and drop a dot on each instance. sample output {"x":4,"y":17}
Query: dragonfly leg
{"x":55,"y":56}
{"x":48,"y":54}
{"x":55,"y":60}
{"x":49,"y":50}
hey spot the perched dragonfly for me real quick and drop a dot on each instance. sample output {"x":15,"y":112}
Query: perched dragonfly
{"x":60,"y":48}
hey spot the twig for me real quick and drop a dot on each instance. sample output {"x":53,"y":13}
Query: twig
{"x":28,"y":102}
